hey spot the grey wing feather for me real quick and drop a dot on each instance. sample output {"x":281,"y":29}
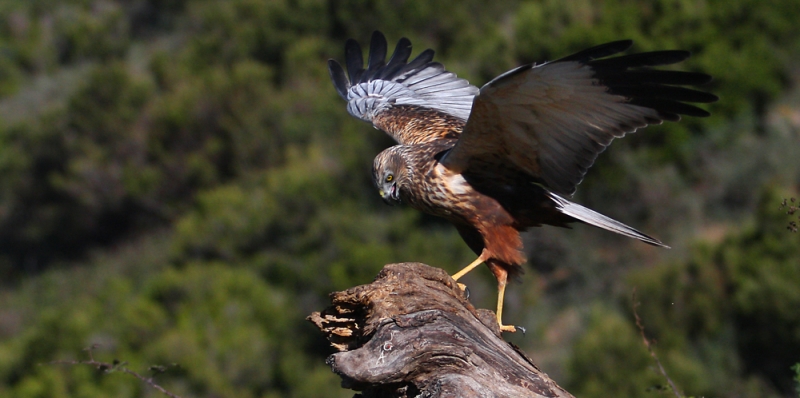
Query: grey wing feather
{"x":420,"y":82}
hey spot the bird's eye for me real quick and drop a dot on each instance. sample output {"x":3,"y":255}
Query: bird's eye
{"x":389,"y":178}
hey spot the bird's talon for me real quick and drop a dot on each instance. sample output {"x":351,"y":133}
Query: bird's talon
{"x":464,"y":289}
{"x":510,"y":329}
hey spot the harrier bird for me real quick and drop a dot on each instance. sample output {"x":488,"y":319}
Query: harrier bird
{"x":497,"y":160}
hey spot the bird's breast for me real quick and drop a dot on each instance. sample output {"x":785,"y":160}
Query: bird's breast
{"x":438,"y":191}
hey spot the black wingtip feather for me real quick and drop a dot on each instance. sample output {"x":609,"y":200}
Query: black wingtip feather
{"x":603,"y":50}
{"x":630,"y":76}
{"x":662,"y":92}
{"x":377,"y":67}
{"x":422,"y":59}
{"x":651,"y":76}
{"x":377,"y":55}
{"x":399,"y":58}
{"x":668,"y":106}
{"x":338,"y":77}
{"x":654,"y":58}
{"x":354,"y":59}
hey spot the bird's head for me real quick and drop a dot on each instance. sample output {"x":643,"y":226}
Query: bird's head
{"x":389,"y":172}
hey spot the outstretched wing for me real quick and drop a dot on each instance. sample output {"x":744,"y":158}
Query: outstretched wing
{"x":392,"y":94}
{"x":552,"y":120}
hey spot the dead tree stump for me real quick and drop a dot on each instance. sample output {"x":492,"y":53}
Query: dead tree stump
{"x":412,"y":333}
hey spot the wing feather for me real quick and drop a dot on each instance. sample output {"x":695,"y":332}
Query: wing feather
{"x":552,"y":120}
{"x":420,"y":84}
{"x":420,"y":61}
{"x":377,"y":55}
{"x":654,"y":76}
{"x":340,"y":81}
{"x":354,"y":59}
{"x":398,"y":60}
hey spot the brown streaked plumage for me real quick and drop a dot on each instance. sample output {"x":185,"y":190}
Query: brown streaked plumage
{"x":499,"y":160}
{"x":413,"y":124}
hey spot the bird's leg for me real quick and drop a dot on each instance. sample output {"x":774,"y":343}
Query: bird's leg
{"x":470,"y":267}
{"x":502,"y":278}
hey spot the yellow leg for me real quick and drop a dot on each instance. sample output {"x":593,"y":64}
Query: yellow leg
{"x":470,"y":267}
{"x":502,"y":279}
{"x":501,"y":293}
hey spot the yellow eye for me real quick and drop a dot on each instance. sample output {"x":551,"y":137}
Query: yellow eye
{"x":389,"y":178}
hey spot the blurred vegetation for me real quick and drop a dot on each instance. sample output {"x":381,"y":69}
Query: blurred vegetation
{"x":796,"y":369}
{"x":182,"y":185}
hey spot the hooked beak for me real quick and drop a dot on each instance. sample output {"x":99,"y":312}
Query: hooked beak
{"x":392,"y":197}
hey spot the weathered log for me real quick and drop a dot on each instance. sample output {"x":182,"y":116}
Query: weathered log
{"x":413,"y":333}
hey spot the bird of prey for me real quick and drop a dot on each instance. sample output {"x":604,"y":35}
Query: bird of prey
{"x":500,"y":159}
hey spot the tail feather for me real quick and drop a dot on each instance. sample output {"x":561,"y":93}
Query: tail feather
{"x":596,"y":219}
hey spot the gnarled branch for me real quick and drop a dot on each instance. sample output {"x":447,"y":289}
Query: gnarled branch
{"x":412,"y":332}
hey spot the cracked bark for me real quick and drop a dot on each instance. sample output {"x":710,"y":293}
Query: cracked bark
{"x":412,"y":333}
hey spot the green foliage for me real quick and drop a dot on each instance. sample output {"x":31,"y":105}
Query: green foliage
{"x":230,"y":31}
{"x":740,"y":292}
{"x":796,"y":369}
{"x":226,"y":328}
{"x":103,"y":33}
{"x":762,"y":267}
{"x":610,"y":360}
{"x":181,"y":184}
{"x":70,"y":168}
{"x":10,"y":76}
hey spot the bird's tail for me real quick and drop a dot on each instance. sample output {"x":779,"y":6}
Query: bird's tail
{"x":596,"y":219}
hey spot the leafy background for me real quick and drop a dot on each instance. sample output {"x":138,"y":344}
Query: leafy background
{"x":180,"y":184}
